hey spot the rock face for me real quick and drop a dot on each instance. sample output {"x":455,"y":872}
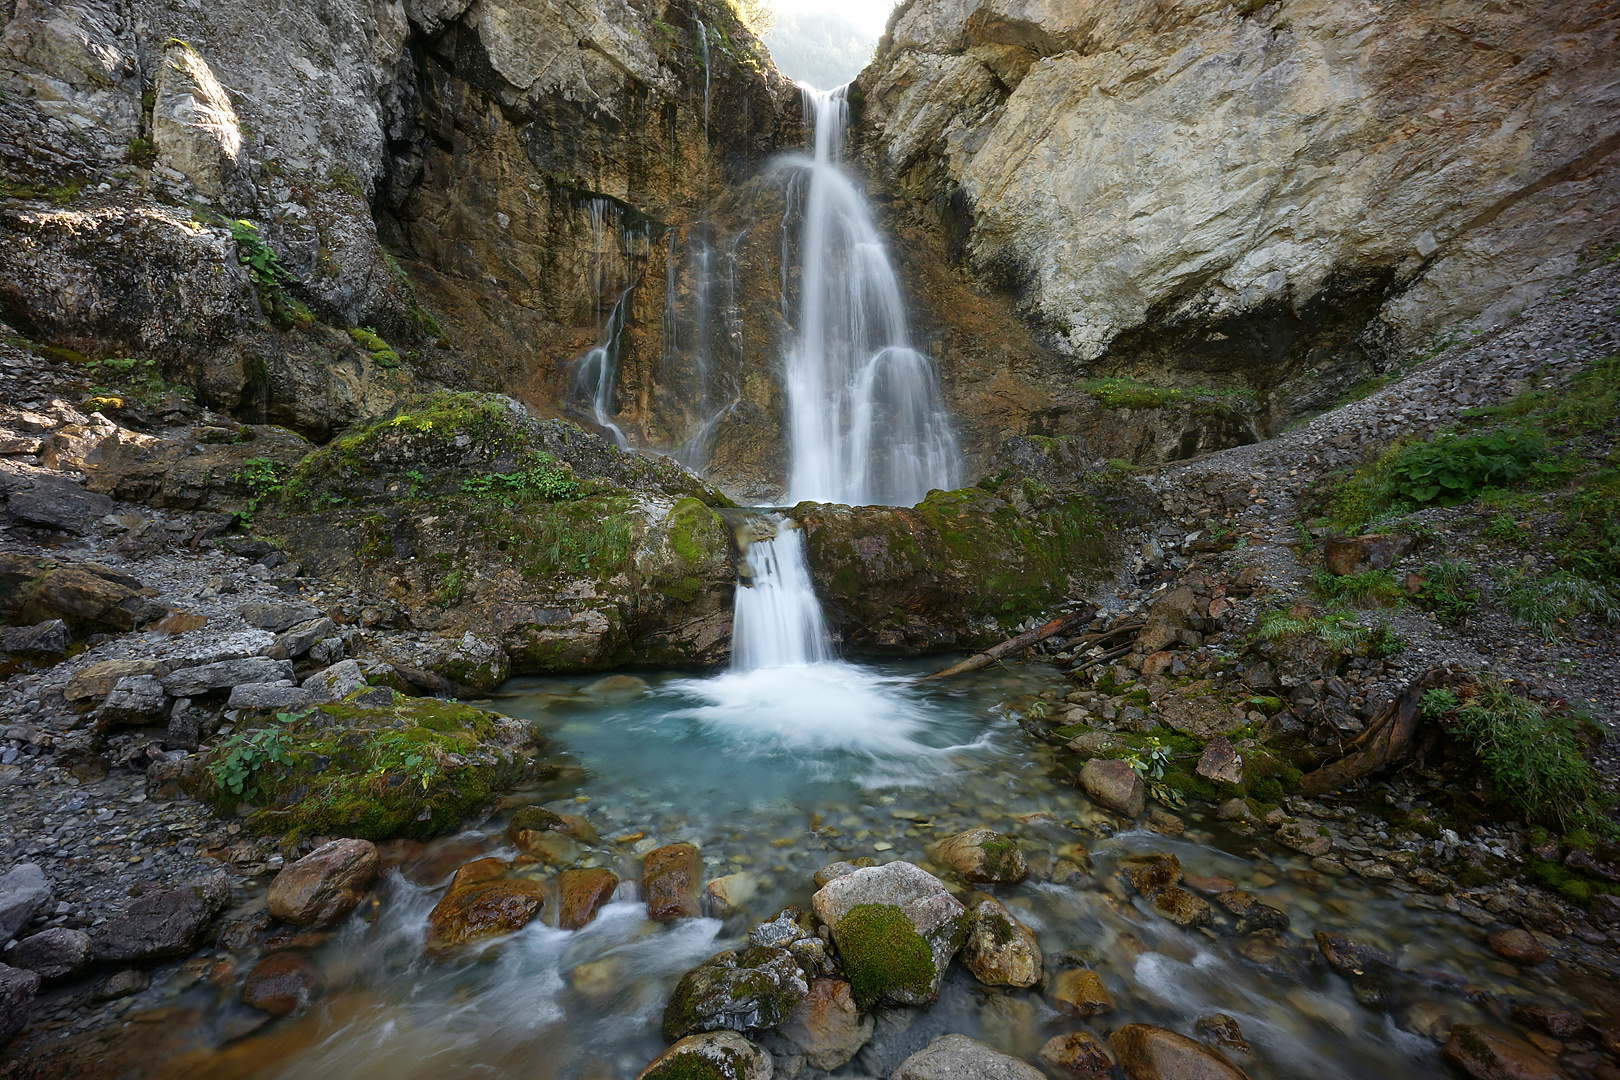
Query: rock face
{"x":52,"y":953}
{"x":1486,"y":1054}
{"x":17,"y":990}
{"x":162,"y":924}
{"x":999,"y":949}
{"x":320,"y":889}
{"x":896,"y":928}
{"x":756,"y":988}
{"x":23,"y":891}
{"x":1092,"y":159}
{"x":1146,"y":1052}
{"x":951,"y":1057}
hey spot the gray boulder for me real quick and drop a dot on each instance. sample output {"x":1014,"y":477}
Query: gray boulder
{"x":17,"y":990}
{"x":52,"y":953}
{"x":23,"y":891}
{"x":957,"y":1057}
{"x":162,"y":925}
{"x":896,"y":928}
{"x":276,"y":616}
{"x":1114,"y":784}
{"x":277,"y":695}
{"x":135,"y":699}
{"x":60,"y":504}
{"x":49,"y":638}
{"x":723,"y":1055}
{"x":225,"y":674}
{"x":298,"y":640}
{"x":337,"y":682}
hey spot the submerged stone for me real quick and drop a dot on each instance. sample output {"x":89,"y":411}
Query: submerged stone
{"x":1146,"y":1052}
{"x":1079,"y":1054}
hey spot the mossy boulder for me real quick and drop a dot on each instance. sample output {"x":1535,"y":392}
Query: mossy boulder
{"x":713,"y":1055}
{"x":552,"y":547}
{"x":961,"y":568}
{"x":896,"y":928}
{"x":1000,"y":950}
{"x":756,"y":988}
{"x":415,"y":769}
{"x":985,"y":857}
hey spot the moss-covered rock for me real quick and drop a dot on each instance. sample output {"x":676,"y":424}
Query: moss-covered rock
{"x":713,"y":1055}
{"x":896,"y":928}
{"x":415,"y":769}
{"x":552,"y":546}
{"x":961,"y":568}
{"x":756,"y":988}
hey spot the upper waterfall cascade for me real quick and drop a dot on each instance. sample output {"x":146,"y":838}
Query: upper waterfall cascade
{"x":867,"y":424}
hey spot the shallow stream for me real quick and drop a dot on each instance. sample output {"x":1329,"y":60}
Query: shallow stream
{"x":775,"y":773}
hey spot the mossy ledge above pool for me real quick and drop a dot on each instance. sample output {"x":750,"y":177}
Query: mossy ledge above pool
{"x":417,"y":769}
{"x":548,"y":543}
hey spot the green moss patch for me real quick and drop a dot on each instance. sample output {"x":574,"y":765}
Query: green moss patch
{"x":416,"y":769}
{"x":882,"y":952}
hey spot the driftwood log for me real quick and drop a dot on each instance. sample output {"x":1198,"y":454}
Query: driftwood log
{"x":1023,"y":641}
{"x":1388,"y":738}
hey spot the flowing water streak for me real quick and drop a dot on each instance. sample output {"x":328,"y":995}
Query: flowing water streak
{"x":866,"y":419}
{"x":778,"y":621}
{"x":613,"y":247}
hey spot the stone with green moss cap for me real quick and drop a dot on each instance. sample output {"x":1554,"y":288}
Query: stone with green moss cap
{"x":1000,"y":950}
{"x":896,"y":928}
{"x":712,"y":1055}
{"x":985,"y":857}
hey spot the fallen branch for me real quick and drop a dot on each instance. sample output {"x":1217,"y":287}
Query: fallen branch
{"x":1022,"y":641}
{"x":1387,"y":739}
{"x":1112,"y":654}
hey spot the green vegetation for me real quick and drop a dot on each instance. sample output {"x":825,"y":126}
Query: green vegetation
{"x":414,"y":769}
{"x":1362,"y":590}
{"x":128,"y":378}
{"x":270,"y":278}
{"x":1449,"y":591}
{"x":882,"y":952}
{"x":1123,"y":393}
{"x":380,"y":350}
{"x":543,"y":480}
{"x":1336,"y":630}
{"x":263,"y":479}
{"x":1549,"y":601}
{"x":1533,"y":758}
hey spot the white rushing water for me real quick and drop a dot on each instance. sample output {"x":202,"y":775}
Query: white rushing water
{"x":867,"y":424}
{"x":777,"y":621}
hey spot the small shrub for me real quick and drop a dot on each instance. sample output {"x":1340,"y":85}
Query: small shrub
{"x":270,"y":278}
{"x":1438,"y":702}
{"x":1533,"y":758}
{"x":542,"y":480}
{"x":237,"y":762}
{"x":1449,"y":591}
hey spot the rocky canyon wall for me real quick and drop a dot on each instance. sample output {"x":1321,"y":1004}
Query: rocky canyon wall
{"x":1275,"y":198}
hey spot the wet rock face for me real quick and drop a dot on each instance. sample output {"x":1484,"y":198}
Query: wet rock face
{"x":281,"y":983}
{"x":756,"y":988}
{"x":714,"y":1055}
{"x":959,"y":569}
{"x":581,"y":894}
{"x":1114,"y":784}
{"x":1486,"y":1054}
{"x":320,"y":889}
{"x":826,"y":1026}
{"x":984,"y":856}
{"x":670,"y":879}
{"x":1000,"y":950}
{"x":482,"y":902}
{"x":1002,"y":112}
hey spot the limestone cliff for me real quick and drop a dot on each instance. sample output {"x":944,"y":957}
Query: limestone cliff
{"x":1269,"y":197}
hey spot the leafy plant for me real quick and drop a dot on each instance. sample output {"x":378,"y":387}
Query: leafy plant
{"x":1151,"y":760}
{"x":542,"y":480}
{"x":1438,"y":702}
{"x":1533,"y":758}
{"x":1451,"y":468}
{"x":1449,"y":591}
{"x":270,"y":278}
{"x":263,"y":479}
{"x":238,"y":760}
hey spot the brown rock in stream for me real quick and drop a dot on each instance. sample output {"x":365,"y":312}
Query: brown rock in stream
{"x":1150,"y":873}
{"x":826,"y":1026}
{"x":1114,"y":784}
{"x":1146,"y":1052}
{"x":984,"y":856}
{"x":581,"y":894}
{"x":482,"y":902}
{"x":280,"y":984}
{"x":1000,"y":950}
{"x":1486,"y":1054}
{"x":1079,"y":1054}
{"x":324,"y":886}
{"x":670,"y":879}
{"x":1081,"y":992}
{"x":1519,"y":946}
{"x":1182,"y":907}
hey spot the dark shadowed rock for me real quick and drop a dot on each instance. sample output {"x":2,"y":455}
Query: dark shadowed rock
{"x":281,"y":983}
{"x":17,"y":990}
{"x":276,"y":616}
{"x":52,"y":953}
{"x":161,"y":925}
{"x":671,"y":877}
{"x":1486,"y":1054}
{"x":1115,"y":785}
{"x":51,"y":638}
{"x":59,"y":503}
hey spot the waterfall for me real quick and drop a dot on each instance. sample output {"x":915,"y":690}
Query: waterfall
{"x":867,"y":424}
{"x":614,"y":251}
{"x":777,"y":621}
{"x":596,"y":372}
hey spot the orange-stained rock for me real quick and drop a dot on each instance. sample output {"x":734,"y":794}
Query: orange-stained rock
{"x":1146,"y":1052}
{"x":670,"y":879}
{"x":581,"y":894}
{"x":482,"y":902}
{"x":280,"y":983}
{"x":325,"y":885}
